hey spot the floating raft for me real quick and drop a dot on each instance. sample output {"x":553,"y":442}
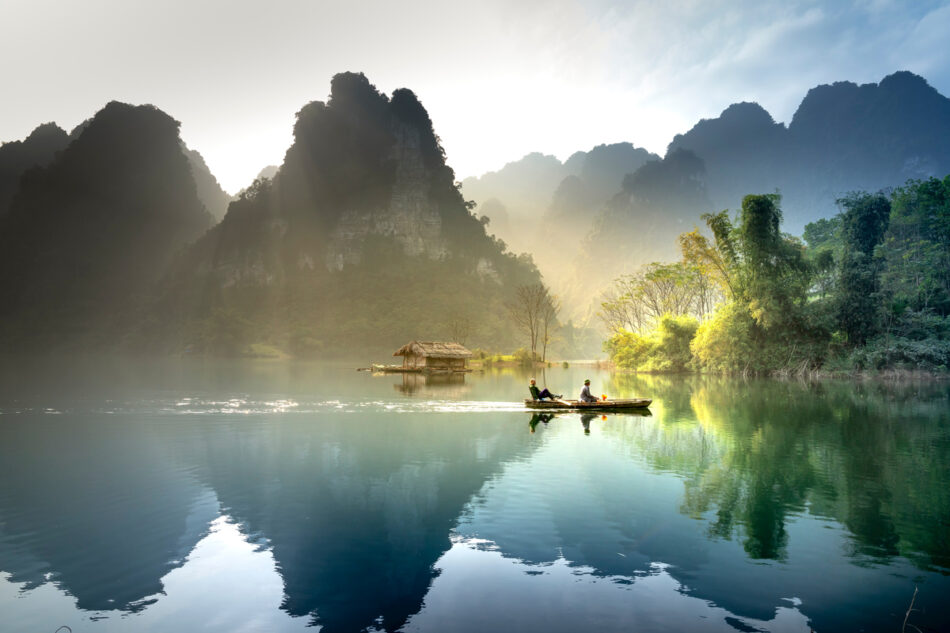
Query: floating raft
{"x":600,"y":405}
{"x":399,"y":369}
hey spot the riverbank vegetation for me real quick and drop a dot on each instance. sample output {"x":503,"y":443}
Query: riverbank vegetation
{"x":868,"y":289}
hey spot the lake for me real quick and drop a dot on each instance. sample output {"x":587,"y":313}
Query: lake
{"x":265,"y":496}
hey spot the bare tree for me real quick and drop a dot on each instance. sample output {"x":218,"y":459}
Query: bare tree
{"x":618,"y":310}
{"x":526,"y":309}
{"x":549,"y":312}
{"x":638,"y":301}
{"x":460,"y":328}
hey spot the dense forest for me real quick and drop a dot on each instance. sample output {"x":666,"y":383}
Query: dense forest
{"x":867,"y":289}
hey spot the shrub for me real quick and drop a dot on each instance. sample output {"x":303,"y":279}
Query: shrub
{"x":902,"y":353}
{"x":524,"y":357}
{"x":666,"y":349}
{"x":724,"y":343}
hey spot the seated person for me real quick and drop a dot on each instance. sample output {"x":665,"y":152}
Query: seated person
{"x":585,"y":393}
{"x":540,"y":395}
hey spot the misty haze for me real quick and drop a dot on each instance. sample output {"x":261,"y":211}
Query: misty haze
{"x":486,"y":318}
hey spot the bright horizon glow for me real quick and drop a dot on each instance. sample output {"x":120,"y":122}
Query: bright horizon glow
{"x":499,"y":81}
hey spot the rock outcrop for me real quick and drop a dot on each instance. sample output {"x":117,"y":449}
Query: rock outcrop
{"x":90,"y":233}
{"x":362,"y":218}
{"x":410,"y":216}
{"x":16,"y":157}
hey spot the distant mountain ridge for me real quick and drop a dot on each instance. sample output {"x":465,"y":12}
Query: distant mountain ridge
{"x":44,"y":142}
{"x":16,"y":157}
{"x":539,"y":183}
{"x":363,"y":200}
{"x":360,"y":237}
{"x":88,"y":234}
{"x":545,"y":207}
{"x":843,"y":137}
{"x":215,"y":199}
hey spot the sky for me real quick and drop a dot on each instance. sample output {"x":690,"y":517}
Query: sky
{"x":499,"y":78}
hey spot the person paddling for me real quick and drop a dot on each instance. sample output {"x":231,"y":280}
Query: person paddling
{"x":541,"y":394}
{"x":585,"y":393}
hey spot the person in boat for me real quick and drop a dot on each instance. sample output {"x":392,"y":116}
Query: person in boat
{"x":539,"y":394}
{"x":585,"y":393}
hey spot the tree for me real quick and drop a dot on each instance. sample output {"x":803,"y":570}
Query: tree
{"x":638,"y":301}
{"x":619,"y":309}
{"x":709,"y":258}
{"x":549,"y":312}
{"x":665,"y":349}
{"x":460,"y":328}
{"x":863,"y":224}
{"x":765,"y":324}
{"x":918,"y":246}
{"x":526,"y":310}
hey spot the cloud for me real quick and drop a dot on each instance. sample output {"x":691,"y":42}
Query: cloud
{"x":924,"y":48}
{"x":499,"y":78}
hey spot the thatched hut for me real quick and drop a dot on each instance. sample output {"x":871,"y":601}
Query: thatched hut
{"x":433,"y":356}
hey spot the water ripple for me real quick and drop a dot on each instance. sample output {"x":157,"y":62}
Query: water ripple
{"x":194,"y":405}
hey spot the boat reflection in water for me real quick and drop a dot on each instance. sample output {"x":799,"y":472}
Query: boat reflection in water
{"x":586,"y":418}
{"x":447,"y":384}
{"x":538,"y":418}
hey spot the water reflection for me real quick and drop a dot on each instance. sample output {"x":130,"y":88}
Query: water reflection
{"x":585,"y":421}
{"x":223,"y":575}
{"x":95,"y":504}
{"x":759,"y":504}
{"x":356,"y":510}
{"x":538,"y":418}
{"x":561,"y":596}
{"x":449,"y":385}
{"x":844,"y":451}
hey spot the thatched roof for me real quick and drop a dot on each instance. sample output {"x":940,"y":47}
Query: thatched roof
{"x":433,"y":349}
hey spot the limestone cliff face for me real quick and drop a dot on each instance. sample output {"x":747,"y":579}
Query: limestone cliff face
{"x":37,"y":150}
{"x":410,"y":217}
{"x":363,"y":190}
{"x":361,"y":238}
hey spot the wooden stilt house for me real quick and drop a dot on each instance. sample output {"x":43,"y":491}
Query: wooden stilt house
{"x":433,"y":356}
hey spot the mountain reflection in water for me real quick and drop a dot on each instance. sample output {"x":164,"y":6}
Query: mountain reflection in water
{"x":767,"y":505}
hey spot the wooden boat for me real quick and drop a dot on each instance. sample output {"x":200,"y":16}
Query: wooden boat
{"x":400,"y":369}
{"x":577,"y":405}
{"x":396,"y":369}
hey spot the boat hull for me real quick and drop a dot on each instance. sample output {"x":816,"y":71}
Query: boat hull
{"x":600,"y":405}
{"x":399,"y":369}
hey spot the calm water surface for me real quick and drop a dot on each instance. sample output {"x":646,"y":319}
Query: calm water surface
{"x":254,"y":496}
